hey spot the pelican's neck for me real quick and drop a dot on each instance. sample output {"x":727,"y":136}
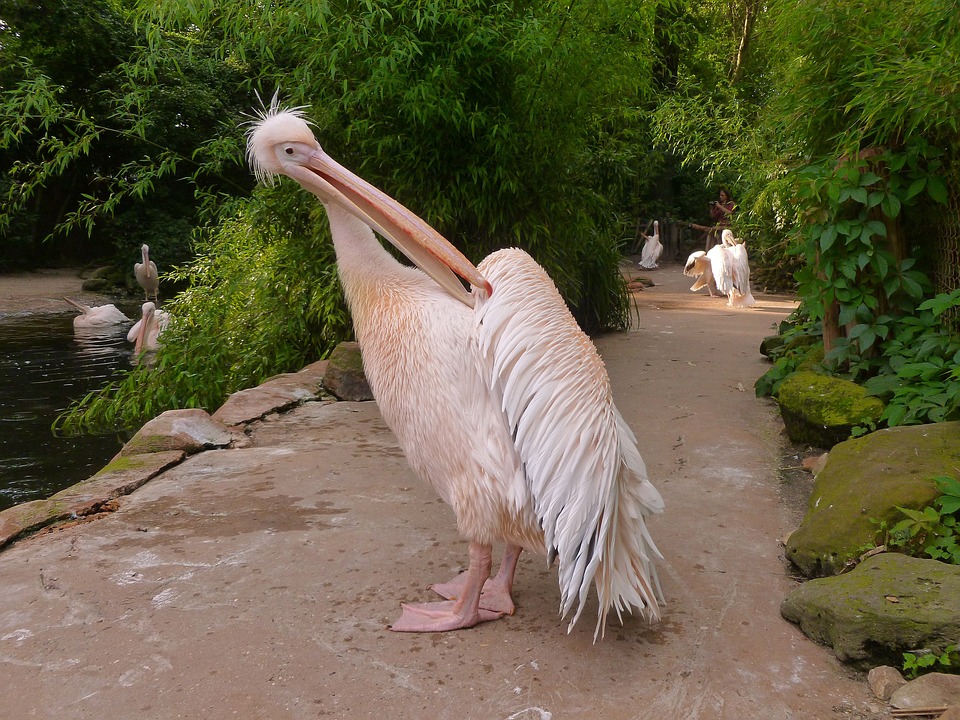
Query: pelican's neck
{"x":359,"y":254}
{"x":370,"y":275}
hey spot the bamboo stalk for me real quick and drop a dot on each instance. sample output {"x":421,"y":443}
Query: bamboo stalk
{"x":918,"y":712}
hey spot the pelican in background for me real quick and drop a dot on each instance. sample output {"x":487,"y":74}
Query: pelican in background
{"x":698,"y":266}
{"x":652,"y":249}
{"x":496,"y":397}
{"x":97,"y":316}
{"x":145,"y":332}
{"x":723,"y":270}
{"x":146,"y":274}
{"x":732,"y":271}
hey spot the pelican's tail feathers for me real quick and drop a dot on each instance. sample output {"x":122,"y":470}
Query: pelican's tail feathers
{"x":584,"y":474}
{"x":628,"y":579}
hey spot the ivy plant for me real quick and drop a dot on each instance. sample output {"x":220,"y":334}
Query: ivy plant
{"x":934,"y":531}
{"x":921,"y":662}
{"x":898,"y":341}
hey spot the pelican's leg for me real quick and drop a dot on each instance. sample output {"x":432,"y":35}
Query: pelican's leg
{"x":497,"y":591}
{"x":463,"y":612}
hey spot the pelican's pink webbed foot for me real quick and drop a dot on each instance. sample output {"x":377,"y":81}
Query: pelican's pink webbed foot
{"x":464,"y":612}
{"x":497,"y":593}
{"x":440,"y":617}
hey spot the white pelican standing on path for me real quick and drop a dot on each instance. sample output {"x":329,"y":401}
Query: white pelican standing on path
{"x":146,"y":274}
{"x":496,"y":396}
{"x":734,"y":282}
{"x":652,"y":249}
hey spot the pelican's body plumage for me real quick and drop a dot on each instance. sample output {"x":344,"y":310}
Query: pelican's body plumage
{"x":496,"y":396}
{"x":146,"y":274}
{"x":97,"y":316}
{"x":652,"y":249}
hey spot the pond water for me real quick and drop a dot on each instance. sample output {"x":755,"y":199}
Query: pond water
{"x":45,"y":365}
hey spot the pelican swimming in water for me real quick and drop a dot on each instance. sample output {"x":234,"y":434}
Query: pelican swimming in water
{"x":97,"y":316}
{"x":146,"y":331}
{"x":496,"y":397}
{"x":146,"y":274}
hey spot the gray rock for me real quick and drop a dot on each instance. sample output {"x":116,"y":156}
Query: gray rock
{"x":97,"y":284}
{"x":190,"y":430}
{"x":771,"y":344}
{"x":884,"y":680}
{"x":862,"y":483}
{"x":931,"y":690}
{"x":274,"y":395}
{"x":822,"y":410}
{"x":121,"y":477}
{"x":344,"y":378}
{"x":888,"y":605}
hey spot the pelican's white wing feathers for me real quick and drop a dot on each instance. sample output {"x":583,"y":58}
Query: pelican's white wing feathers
{"x":740,"y":266}
{"x":721,"y":268}
{"x":584,"y":473}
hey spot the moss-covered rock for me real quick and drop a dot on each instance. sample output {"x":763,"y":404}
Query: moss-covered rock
{"x":190,"y":430}
{"x":345,"y":379}
{"x":889,"y":604}
{"x":770,"y":345}
{"x":821,"y":410}
{"x":863,"y":481}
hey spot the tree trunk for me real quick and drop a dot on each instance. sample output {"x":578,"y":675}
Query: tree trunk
{"x":831,"y":326}
{"x":749,"y":17}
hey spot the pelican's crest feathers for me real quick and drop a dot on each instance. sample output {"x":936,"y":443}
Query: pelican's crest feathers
{"x":269,"y":126}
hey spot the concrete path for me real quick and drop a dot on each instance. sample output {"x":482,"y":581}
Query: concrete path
{"x":258,"y":582}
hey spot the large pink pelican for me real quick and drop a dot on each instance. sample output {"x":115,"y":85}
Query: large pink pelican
{"x":497,"y":398}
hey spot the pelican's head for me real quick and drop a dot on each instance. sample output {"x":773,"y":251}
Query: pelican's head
{"x":275,"y":138}
{"x":727,"y":238}
{"x":280,"y":142}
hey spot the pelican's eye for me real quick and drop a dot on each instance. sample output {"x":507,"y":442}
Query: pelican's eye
{"x":288,"y":151}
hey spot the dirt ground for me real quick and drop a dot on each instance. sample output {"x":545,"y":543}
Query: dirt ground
{"x":259,"y":582}
{"x":43,"y":291}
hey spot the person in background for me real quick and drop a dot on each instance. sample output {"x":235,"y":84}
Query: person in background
{"x":720,"y":212}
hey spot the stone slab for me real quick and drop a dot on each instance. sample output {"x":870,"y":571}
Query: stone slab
{"x":277,"y":394}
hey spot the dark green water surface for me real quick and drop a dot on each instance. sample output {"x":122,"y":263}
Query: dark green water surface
{"x":44,"y":365}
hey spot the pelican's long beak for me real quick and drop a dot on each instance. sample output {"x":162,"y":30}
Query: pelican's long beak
{"x":410,"y":234}
{"x":146,"y":320}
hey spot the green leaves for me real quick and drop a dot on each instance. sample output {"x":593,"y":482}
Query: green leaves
{"x":919,"y":662}
{"x":259,"y":301}
{"x":933,"y":531}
